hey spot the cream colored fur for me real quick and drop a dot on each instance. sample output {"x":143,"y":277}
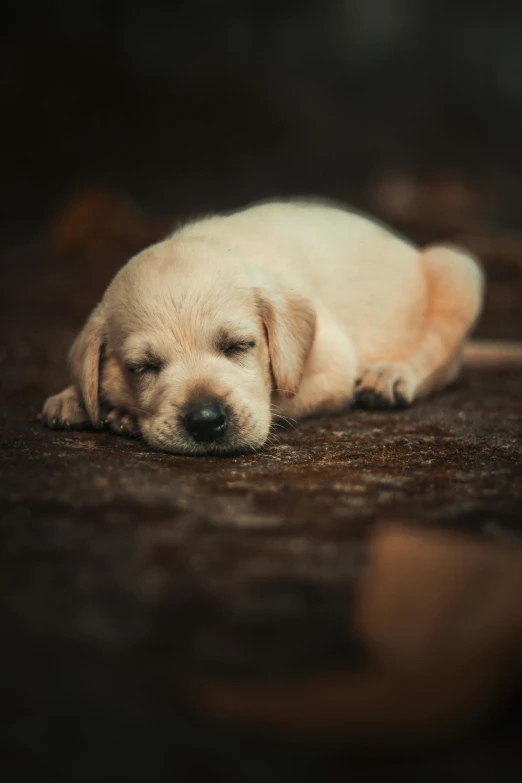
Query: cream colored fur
{"x":284,"y":309}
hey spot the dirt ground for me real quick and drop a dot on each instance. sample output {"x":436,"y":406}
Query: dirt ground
{"x":305,"y":613}
{"x":128,"y":578}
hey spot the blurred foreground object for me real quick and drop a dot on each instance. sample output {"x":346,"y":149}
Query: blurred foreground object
{"x":440,"y":618}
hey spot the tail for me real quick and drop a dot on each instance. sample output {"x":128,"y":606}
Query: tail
{"x":484,"y":354}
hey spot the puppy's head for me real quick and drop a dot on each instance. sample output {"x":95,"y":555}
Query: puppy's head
{"x":193,"y":348}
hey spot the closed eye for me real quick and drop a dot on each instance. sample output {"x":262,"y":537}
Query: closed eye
{"x":233,"y":349}
{"x":144,"y":370}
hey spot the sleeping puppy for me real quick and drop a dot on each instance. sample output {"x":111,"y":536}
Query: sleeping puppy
{"x":281,"y":309}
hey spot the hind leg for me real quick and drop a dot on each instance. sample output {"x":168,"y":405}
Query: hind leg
{"x":455,"y":286}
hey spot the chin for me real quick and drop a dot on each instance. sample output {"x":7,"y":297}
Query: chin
{"x":204,"y":449}
{"x":189,"y":448}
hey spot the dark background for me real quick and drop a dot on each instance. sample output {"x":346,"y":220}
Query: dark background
{"x":123,"y":573}
{"x":203,"y":105}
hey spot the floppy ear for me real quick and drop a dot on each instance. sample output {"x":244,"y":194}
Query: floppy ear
{"x":84,"y":362}
{"x":289,"y":320}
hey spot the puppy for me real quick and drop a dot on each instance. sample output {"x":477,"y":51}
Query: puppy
{"x":281,"y":309}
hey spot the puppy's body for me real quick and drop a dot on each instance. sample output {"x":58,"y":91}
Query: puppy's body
{"x":345,"y":263}
{"x":299,"y":305}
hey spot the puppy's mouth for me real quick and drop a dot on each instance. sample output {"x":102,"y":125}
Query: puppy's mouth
{"x":222,"y":448}
{"x":202,"y":435}
{"x":209,"y":451}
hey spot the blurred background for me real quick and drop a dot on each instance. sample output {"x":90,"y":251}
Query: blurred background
{"x":190,"y":106}
{"x":120,"y":118}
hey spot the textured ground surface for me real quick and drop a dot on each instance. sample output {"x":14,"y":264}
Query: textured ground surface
{"x":127,"y":574}
{"x":166,"y":619}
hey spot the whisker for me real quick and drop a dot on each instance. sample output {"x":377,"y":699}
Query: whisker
{"x":277,"y":409}
{"x":285,"y":417}
{"x":291,"y":422}
{"x":277,"y":426}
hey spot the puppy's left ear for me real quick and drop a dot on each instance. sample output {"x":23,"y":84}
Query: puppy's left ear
{"x":290,"y":321}
{"x":84,"y":362}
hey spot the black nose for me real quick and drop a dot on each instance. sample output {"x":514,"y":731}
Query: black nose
{"x":206,"y":421}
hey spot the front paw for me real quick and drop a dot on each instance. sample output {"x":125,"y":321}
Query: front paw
{"x":122,"y":423}
{"x":386,"y":385}
{"x":65,"y":411}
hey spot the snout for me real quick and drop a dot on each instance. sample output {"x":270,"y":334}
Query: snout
{"x":205,"y":420}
